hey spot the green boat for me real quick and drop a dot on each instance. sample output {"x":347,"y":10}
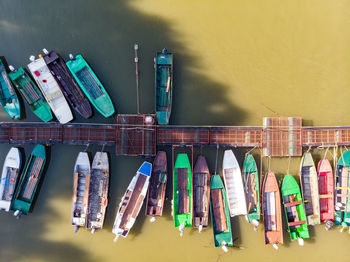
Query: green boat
{"x":30,"y":93}
{"x":294,"y":209}
{"x":182,"y":193}
{"x":91,"y":85}
{"x":220,"y":214}
{"x":163,"y":65}
{"x":28,"y":182}
{"x":8,"y":97}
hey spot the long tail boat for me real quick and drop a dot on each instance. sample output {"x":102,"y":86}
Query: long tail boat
{"x":309,"y":187}
{"x":163,"y":65}
{"x":132,"y":201}
{"x":9,"y":177}
{"x":29,"y":181}
{"x":98,"y":192}
{"x":157,"y":187}
{"x":50,"y":89}
{"x":201,"y":190}
{"x":69,"y":87}
{"x":91,"y":85}
{"x":182,"y":193}
{"x":326,"y":190}
{"x":234,"y":185}
{"x":251,"y":186}
{"x":272,"y":211}
{"x":30,"y":93}
{"x":294,"y":210}
{"x":8,"y":97}
{"x":81,"y":182}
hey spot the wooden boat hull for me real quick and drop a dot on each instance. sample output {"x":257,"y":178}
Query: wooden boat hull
{"x":326,"y":190}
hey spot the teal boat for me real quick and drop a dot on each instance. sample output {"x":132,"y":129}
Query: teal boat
{"x":220,"y":214}
{"x":30,"y":93}
{"x":163,"y":65}
{"x":28,"y":182}
{"x":91,"y":85}
{"x":8,"y":97}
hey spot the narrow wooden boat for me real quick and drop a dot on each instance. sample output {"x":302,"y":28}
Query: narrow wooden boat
{"x":182,"y":193}
{"x":201,"y":190}
{"x":220,"y":214}
{"x":69,"y":87}
{"x":272,"y":211}
{"x":326,"y":190}
{"x":98,"y":192}
{"x":81,"y":182}
{"x":8,"y":97}
{"x":157,"y":187}
{"x":29,"y":180}
{"x":132,"y":201}
{"x":163,"y":64}
{"x":9,"y":177}
{"x":30,"y":93}
{"x":251,"y":187}
{"x":50,"y":89}
{"x":234,"y":185}
{"x":309,"y":187}
{"x":294,"y":210}
{"x":91,"y":85}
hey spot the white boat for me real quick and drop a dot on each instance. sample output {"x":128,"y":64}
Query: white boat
{"x":9,"y":177}
{"x":234,"y":185}
{"x":132,"y":201}
{"x":50,"y":89}
{"x":81,"y":181}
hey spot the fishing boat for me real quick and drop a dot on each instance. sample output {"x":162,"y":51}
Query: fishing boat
{"x":157,"y":187}
{"x":69,"y":87}
{"x":182,"y":193}
{"x":8,"y":97}
{"x":220,"y":214}
{"x":132,"y":201}
{"x":81,"y":182}
{"x":234,"y":185}
{"x":9,"y":177}
{"x":309,"y":187}
{"x":326,"y":190}
{"x":50,"y":89}
{"x":294,"y":210}
{"x":272,"y":211}
{"x":163,"y":65}
{"x":251,"y":187}
{"x":30,"y":93}
{"x":98,"y":192}
{"x":201,"y":190}
{"x":28,"y":182}
{"x":91,"y":85}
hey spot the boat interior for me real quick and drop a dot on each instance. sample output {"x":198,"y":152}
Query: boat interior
{"x":183,"y":205}
{"x":217,"y":201}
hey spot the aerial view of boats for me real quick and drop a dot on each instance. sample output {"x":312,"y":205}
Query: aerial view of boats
{"x":81,"y":182}
{"x":309,"y":187}
{"x":132,"y":201}
{"x":69,"y":87}
{"x":157,"y":187}
{"x":294,"y":210}
{"x":50,"y":89}
{"x":163,"y":65}
{"x":234,"y":185}
{"x":251,"y":187}
{"x":8,"y":97}
{"x":201,"y":190}
{"x":182,"y":193}
{"x":28,"y":182}
{"x":271,"y":205}
{"x":9,"y":176}
{"x":98,"y":192}
{"x":91,"y":85}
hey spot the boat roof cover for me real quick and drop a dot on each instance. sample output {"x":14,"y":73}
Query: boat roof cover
{"x":145,"y":168}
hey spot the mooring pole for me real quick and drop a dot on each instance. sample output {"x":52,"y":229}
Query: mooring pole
{"x":136,"y":47}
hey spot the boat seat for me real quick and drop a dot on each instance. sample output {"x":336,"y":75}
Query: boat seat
{"x":292,"y":204}
{"x":296,"y":223}
{"x":325,"y":195}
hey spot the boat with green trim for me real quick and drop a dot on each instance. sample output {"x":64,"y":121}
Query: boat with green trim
{"x":91,"y":85}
